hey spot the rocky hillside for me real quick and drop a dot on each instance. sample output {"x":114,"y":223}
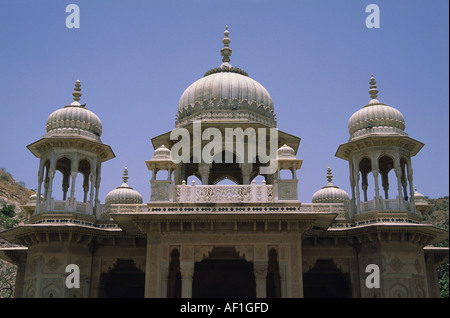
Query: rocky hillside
{"x":13,"y":193}
{"x":438,"y":212}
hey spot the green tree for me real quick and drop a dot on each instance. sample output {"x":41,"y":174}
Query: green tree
{"x":8,"y":210}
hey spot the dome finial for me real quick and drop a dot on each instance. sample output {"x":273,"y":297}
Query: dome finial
{"x":125,"y":175}
{"x":226,"y":51}
{"x":329,"y":175}
{"x":373,"y":88}
{"x":76,"y":93}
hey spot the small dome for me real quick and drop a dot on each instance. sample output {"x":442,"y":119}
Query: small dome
{"x":123,"y":194}
{"x":376,"y":117}
{"x":74,"y":119}
{"x":33,"y":198}
{"x":419,"y":197}
{"x":330,"y":193}
{"x":226,"y":93}
{"x":285,"y":152}
{"x":162,"y":153}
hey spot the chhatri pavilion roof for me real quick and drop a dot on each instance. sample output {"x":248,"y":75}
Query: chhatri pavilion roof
{"x":228,"y":94}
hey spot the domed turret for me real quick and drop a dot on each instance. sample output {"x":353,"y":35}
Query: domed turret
{"x":376,"y":117}
{"x":162,"y":153}
{"x":123,"y":194}
{"x":420,"y":201}
{"x":330,"y":193}
{"x":74,"y":119}
{"x":286,"y":152}
{"x":226,"y":93}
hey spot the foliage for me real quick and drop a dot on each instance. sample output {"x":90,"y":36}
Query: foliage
{"x":7,"y":222}
{"x":8,"y":210}
{"x":438,"y":214}
{"x":7,"y":279}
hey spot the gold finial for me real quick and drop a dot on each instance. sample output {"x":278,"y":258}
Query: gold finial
{"x":226,"y":51}
{"x":125,"y":175}
{"x":77,"y":91}
{"x":329,"y":175}
{"x":373,"y":88}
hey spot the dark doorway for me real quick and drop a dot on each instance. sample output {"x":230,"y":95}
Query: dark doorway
{"x":223,"y":275}
{"x":273,"y":283}
{"x":325,"y":280}
{"x":174,"y":279}
{"x":124,"y":280}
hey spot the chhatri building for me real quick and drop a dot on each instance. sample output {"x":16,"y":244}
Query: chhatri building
{"x":209,"y":239}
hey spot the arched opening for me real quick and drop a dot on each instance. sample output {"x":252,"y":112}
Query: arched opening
{"x":193,"y":178}
{"x":174,"y":278}
{"x":285,"y":174}
{"x":63,"y":166}
{"x":82,"y":184}
{"x":386,"y":166}
{"x":365,"y":168}
{"x":325,"y":280}
{"x":45,"y":178}
{"x":273,"y":282}
{"x":404,"y":179}
{"x":223,"y":274}
{"x":124,"y":280}
{"x":226,"y":180}
{"x":225,"y":165}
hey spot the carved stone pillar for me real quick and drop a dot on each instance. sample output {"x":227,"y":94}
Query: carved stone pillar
{"x":260,"y":271}
{"x":72,"y":187}
{"x":411,"y":187}
{"x":204,"y":169}
{"x":164,"y":279}
{"x":51,"y":175}
{"x":246,"y":169}
{"x":283,"y":282}
{"x":152,"y":266}
{"x":187,"y":275}
{"x":377,"y":189}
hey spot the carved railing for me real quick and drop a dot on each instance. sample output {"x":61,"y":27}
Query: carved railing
{"x":124,"y":208}
{"x":66,"y":206}
{"x":385,"y":204}
{"x":223,"y":193}
{"x":342,"y":209}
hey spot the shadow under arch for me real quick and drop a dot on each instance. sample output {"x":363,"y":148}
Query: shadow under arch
{"x":325,"y":280}
{"x":124,"y":280}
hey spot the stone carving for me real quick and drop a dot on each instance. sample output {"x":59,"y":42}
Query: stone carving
{"x":160,"y":192}
{"x":396,"y":264}
{"x":53,"y":264}
{"x":201,"y":252}
{"x":260,"y":270}
{"x":224,"y":193}
{"x":418,"y":266}
{"x":32,"y":267}
{"x":398,"y":291}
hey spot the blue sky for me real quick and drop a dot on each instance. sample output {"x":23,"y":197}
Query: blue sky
{"x":135,"y":59}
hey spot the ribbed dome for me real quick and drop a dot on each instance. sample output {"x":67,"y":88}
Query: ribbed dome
{"x":74,"y":119}
{"x":418,"y":197}
{"x":330,"y":193}
{"x":226,"y":94}
{"x":162,"y":153}
{"x":123,"y":194}
{"x":376,"y":117}
{"x":286,"y":152}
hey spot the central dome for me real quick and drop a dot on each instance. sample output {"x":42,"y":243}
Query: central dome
{"x":226,"y":94}
{"x":376,"y":117}
{"x":74,"y":119}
